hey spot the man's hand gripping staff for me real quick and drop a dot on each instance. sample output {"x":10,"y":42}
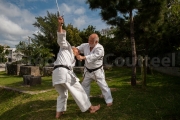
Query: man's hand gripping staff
{"x":60,"y":22}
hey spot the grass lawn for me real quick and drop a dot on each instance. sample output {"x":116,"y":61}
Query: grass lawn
{"x":159,"y":101}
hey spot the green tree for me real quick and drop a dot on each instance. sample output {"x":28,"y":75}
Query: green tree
{"x":73,"y":35}
{"x":120,"y":13}
{"x":23,"y":48}
{"x":148,"y":30}
{"x":171,"y":27}
{"x":47,"y":35}
{"x":3,"y":53}
{"x":112,"y":12}
{"x":85,"y":33}
{"x":1,"y":49}
{"x":157,"y":32}
{"x":40,"y":55}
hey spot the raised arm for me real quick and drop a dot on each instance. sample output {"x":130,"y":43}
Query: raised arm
{"x":61,"y":34}
{"x":60,"y":24}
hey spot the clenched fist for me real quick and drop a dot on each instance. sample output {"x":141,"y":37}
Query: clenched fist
{"x":79,"y":57}
{"x":75,"y":51}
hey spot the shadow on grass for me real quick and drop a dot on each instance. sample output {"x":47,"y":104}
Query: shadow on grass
{"x":4,"y":97}
{"x":34,"y":110}
{"x":3,"y":74}
{"x":118,"y":72}
{"x":129,"y":103}
{"x":45,"y":85}
{"x":43,"y":110}
{"x":158,"y":101}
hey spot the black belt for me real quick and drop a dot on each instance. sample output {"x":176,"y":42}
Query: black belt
{"x":61,"y":66}
{"x":91,"y":70}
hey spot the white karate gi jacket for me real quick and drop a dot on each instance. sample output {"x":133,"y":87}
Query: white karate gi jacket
{"x":64,"y":57}
{"x":94,"y":59}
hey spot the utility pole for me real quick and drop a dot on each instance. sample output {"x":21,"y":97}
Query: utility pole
{"x":29,"y":40}
{"x":29,"y":52}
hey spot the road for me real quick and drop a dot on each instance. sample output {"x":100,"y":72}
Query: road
{"x":2,"y":69}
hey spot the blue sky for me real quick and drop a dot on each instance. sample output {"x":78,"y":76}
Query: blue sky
{"x":17,"y":17}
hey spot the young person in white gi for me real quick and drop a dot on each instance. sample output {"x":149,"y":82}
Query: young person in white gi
{"x":64,"y":79}
{"x":93,"y":56}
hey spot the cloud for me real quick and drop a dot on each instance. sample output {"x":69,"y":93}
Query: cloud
{"x":65,"y":8}
{"x":79,"y":22}
{"x":79,"y":11}
{"x":9,"y":27}
{"x":16,"y":14}
{"x":10,"y":43}
{"x":17,"y":17}
{"x":81,"y":1}
{"x":71,"y":9}
{"x":15,"y":25}
{"x":36,"y":0}
{"x":98,"y":23}
{"x":84,"y":21}
{"x":9,"y":9}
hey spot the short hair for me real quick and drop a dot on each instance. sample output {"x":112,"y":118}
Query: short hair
{"x":96,"y":38}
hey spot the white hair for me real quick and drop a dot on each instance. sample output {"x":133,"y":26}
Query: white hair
{"x":96,"y":39}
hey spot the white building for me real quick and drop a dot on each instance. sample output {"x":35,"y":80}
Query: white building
{"x":13,"y":55}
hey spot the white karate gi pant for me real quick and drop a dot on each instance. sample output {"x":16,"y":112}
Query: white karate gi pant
{"x":77,"y":93}
{"x":99,"y":77}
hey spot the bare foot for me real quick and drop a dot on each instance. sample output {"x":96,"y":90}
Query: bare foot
{"x":58,"y":114}
{"x":93,"y":109}
{"x":109,"y":104}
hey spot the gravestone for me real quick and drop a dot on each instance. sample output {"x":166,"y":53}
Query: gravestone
{"x":26,"y":79}
{"x":29,"y":70}
{"x":47,"y":71}
{"x":31,"y":80}
{"x":13,"y":69}
{"x":34,"y":80}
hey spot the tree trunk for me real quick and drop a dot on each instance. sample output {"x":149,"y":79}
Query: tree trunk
{"x":145,"y":71}
{"x":133,"y":47}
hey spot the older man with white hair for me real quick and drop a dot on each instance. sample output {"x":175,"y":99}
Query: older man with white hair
{"x":93,"y":56}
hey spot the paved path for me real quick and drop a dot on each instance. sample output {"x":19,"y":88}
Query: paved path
{"x":2,"y":69}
